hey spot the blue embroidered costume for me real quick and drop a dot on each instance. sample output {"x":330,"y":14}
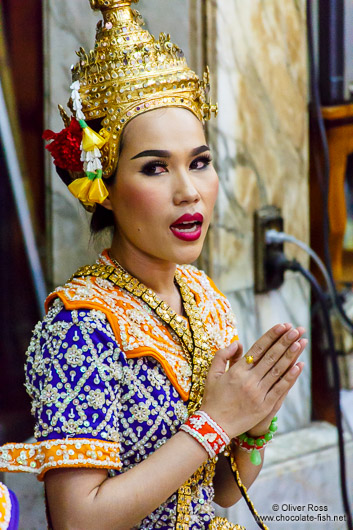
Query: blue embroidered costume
{"x":110,"y":381}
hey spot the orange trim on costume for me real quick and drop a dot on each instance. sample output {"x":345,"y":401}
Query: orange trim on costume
{"x":40,"y":457}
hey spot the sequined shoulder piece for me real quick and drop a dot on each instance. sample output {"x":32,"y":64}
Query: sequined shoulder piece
{"x":139,"y":331}
{"x":137,"y":328}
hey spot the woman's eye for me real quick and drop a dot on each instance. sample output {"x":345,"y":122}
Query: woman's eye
{"x":201,"y":163}
{"x":154,"y":168}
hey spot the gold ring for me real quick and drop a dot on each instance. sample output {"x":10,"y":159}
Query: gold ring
{"x":249,"y":359}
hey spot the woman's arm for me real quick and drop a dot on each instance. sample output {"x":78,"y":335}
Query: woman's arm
{"x":87,"y":498}
{"x":227,"y":492}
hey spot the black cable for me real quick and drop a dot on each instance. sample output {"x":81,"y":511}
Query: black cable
{"x":325,"y":180}
{"x":316,"y":109}
{"x":245,"y":495}
{"x":296,"y":266}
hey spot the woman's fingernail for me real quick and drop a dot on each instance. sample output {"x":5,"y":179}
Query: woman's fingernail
{"x":279,"y":329}
{"x":295,"y":347}
{"x":292,"y":334}
{"x":294,"y":369}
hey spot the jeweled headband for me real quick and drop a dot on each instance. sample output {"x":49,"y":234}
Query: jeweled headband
{"x":128,"y":73}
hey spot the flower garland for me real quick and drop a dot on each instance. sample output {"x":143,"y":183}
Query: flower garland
{"x":77,"y":148}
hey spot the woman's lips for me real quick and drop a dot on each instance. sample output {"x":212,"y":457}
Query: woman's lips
{"x":188,"y":227}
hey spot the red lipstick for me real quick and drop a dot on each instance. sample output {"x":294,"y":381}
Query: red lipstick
{"x":188,"y":227}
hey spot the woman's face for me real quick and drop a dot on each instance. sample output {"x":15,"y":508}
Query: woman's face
{"x":165,"y":188}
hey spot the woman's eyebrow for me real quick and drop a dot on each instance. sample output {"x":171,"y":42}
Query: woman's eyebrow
{"x":153,"y":152}
{"x":199,"y":150}
{"x":167,"y":154}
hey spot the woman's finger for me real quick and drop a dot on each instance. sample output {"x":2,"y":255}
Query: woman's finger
{"x":285,"y":362}
{"x":237,"y":356}
{"x":222,"y":358}
{"x":273,"y":354}
{"x":282,"y":387}
{"x":261,"y":346}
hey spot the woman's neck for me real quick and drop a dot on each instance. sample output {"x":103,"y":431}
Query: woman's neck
{"x":156,"y":274}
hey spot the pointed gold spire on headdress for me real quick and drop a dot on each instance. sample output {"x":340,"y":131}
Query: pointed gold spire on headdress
{"x":105,"y":5}
{"x":130,"y":72}
{"x":113,"y":9}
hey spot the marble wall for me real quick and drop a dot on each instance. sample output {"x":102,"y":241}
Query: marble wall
{"x":260,"y":140}
{"x":68,"y":25}
{"x":261,"y":135}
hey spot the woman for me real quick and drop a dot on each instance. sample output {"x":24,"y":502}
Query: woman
{"x":136,"y":374}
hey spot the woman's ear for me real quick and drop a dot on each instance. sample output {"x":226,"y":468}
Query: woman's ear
{"x":107,"y":204}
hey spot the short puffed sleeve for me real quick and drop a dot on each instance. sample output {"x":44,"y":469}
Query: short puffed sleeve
{"x":74,"y":376}
{"x":74,"y":371}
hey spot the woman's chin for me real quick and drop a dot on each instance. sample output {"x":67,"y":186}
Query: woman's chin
{"x":189,"y":255}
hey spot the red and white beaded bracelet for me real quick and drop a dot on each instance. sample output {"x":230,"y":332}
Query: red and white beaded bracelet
{"x":207,"y":432}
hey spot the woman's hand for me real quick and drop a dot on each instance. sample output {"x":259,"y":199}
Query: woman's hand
{"x":247,"y":396}
{"x":263,"y":426}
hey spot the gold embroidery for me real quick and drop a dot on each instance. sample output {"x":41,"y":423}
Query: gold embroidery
{"x":220,"y":523}
{"x":124,"y":280}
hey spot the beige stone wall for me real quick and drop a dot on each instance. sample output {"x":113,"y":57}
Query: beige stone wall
{"x":257,"y":55}
{"x":261,"y":135}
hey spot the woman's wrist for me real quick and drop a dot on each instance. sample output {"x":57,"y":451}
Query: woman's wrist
{"x":206,"y":432}
{"x":254,"y":443}
{"x":255,"y":433}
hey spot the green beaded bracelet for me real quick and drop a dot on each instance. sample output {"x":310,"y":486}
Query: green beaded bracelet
{"x":252,"y":445}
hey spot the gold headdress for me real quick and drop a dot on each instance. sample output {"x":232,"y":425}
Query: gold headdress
{"x":128,"y":73}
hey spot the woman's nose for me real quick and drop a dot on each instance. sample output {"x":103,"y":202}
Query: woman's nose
{"x":185,"y":190}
